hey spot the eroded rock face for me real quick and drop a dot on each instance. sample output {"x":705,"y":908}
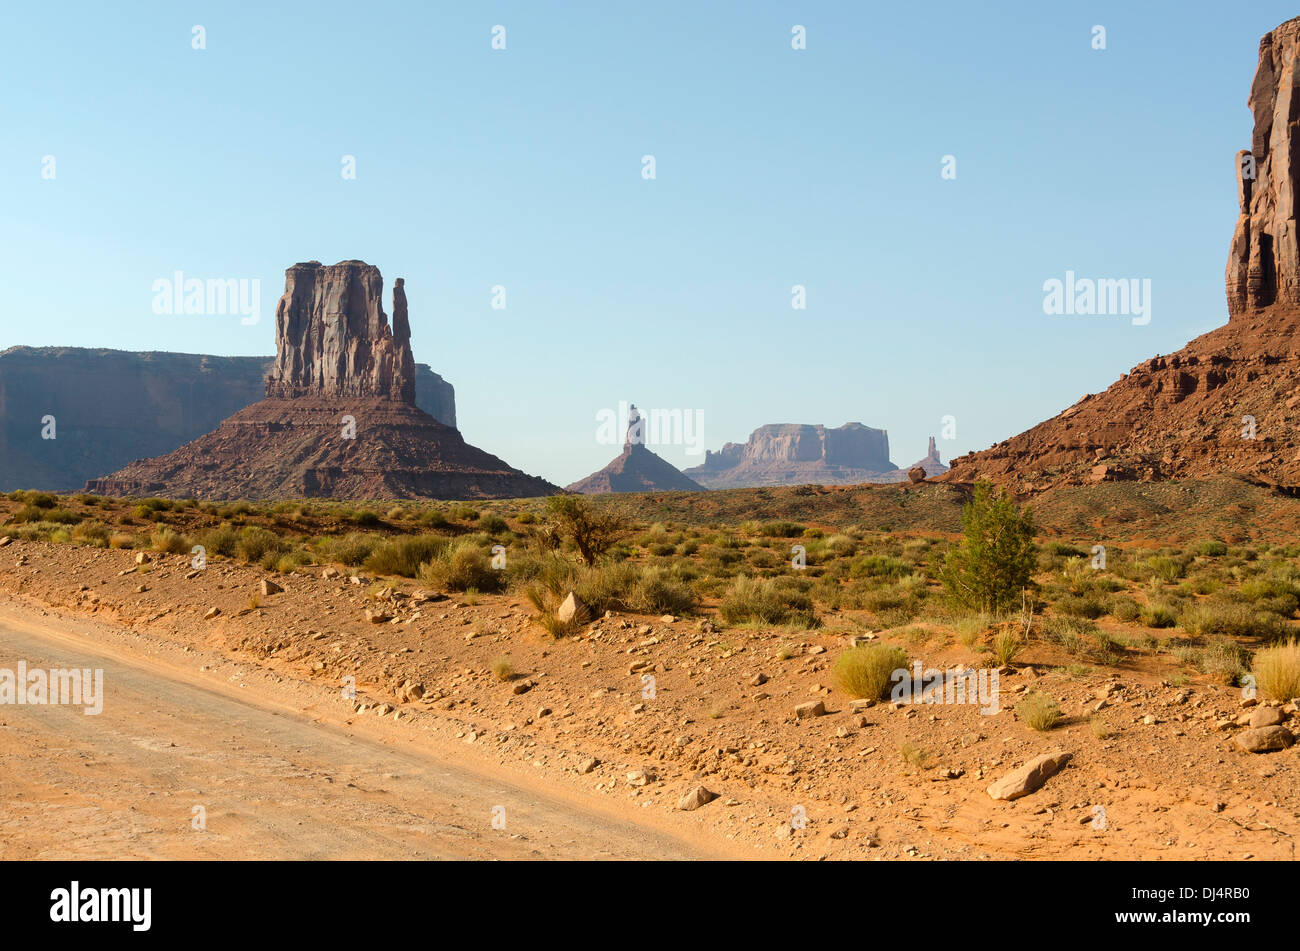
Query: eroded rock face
{"x":1264,"y":259}
{"x":333,"y":338}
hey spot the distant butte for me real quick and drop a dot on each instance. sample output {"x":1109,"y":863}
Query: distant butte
{"x":339,"y":418}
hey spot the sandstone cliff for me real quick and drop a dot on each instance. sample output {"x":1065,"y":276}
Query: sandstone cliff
{"x":113,"y":406}
{"x":793,"y":454}
{"x":333,"y":337}
{"x":1264,"y":260}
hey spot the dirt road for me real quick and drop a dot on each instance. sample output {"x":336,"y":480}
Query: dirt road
{"x":270,"y":783}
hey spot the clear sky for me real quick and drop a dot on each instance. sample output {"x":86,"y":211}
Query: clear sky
{"x":523,"y":168}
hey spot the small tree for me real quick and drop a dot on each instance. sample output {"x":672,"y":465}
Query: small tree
{"x":593,"y":532}
{"x":993,"y":564}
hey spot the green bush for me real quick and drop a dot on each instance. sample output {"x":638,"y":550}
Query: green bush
{"x":992,"y":566}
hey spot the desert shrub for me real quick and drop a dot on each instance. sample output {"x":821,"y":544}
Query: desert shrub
{"x":461,"y":565}
{"x":766,"y":601}
{"x":593,"y":532}
{"x":351,"y":549}
{"x":1231,"y":619}
{"x":1222,"y":660}
{"x":492,"y":523}
{"x":1038,"y":710}
{"x":553,"y":571}
{"x":291,"y":560}
{"x":1064,"y":550}
{"x":367,"y":519}
{"x":220,"y":540}
{"x":1082,"y":606}
{"x":465,"y":513}
{"x":1006,"y":645}
{"x":1166,"y":568}
{"x":171,"y":542}
{"x":1081,"y":638}
{"x":91,"y":532}
{"x":1157,"y":614}
{"x":658,"y":592}
{"x":253,"y":543}
{"x":1212,"y":548}
{"x":60,"y":516}
{"x":433,"y":519}
{"x":866,"y":671}
{"x":992,"y":566}
{"x":1124,"y":608}
{"x":970,"y":628}
{"x":878,"y":566}
{"x":781,"y":530}
{"x":526,"y":518}
{"x":38,"y":500}
{"x":502,"y":669}
{"x":1277,"y":671}
{"x":404,"y":555}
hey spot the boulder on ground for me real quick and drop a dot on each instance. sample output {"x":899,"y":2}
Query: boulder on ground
{"x":1028,"y":778}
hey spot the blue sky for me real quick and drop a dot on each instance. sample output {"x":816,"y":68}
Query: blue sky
{"x":522,"y":167}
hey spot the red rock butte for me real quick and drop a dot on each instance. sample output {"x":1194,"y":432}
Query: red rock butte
{"x":1227,"y":402}
{"x":339,"y":419}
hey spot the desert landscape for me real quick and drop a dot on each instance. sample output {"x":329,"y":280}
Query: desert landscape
{"x":282,"y":606}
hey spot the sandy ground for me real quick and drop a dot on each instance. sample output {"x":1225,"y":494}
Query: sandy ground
{"x":583,"y":762}
{"x":268,"y":781}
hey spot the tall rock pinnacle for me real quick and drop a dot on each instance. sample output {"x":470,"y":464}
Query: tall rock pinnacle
{"x":1264,"y":260}
{"x":332,"y":336}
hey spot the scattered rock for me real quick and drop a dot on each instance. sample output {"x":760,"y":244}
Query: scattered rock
{"x":697,"y":796}
{"x":813,"y":708}
{"x":573,"y":609}
{"x":269,"y":587}
{"x":1267,"y":739}
{"x":1029,"y":777}
{"x":1266,"y":716}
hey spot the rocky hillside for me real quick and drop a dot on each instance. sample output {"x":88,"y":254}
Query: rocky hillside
{"x":339,"y":419}
{"x":1227,"y":402}
{"x":113,"y":406}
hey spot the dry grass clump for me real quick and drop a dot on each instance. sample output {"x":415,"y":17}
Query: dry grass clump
{"x":1277,"y":671}
{"x":1038,"y":710}
{"x":866,"y":671}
